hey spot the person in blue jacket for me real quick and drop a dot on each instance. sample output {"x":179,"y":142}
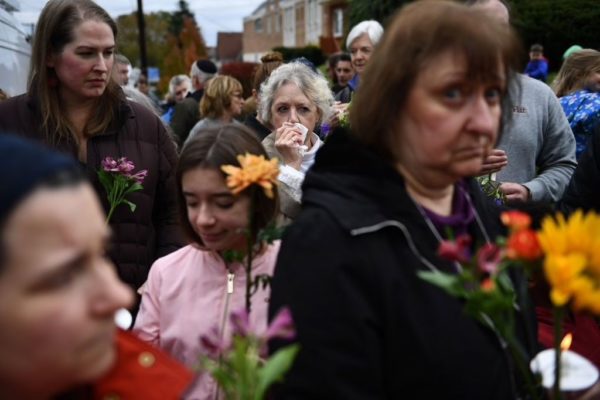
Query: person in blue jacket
{"x":537,"y":67}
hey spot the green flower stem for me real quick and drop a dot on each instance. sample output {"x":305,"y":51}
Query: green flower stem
{"x":115,"y":197}
{"x":521,"y":362}
{"x":110,"y":212}
{"x":558,"y":318}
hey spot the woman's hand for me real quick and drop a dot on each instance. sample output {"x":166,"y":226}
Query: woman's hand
{"x":339,"y":110}
{"x":287,"y":141}
{"x":495,"y":161}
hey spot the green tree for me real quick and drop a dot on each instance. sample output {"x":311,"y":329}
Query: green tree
{"x":557,"y":25}
{"x":379,"y":10}
{"x":177,"y":18}
{"x":156,"y":37}
{"x":173,"y":41}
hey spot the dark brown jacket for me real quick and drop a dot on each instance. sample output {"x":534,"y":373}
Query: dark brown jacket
{"x":151,"y":231}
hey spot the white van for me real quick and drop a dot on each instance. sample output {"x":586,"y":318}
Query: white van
{"x":15,"y":50}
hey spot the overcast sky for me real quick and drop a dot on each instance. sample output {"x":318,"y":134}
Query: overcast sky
{"x":212,"y":15}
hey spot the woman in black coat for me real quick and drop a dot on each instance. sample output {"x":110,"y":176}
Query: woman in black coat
{"x":376,"y":205}
{"x":73,"y":106}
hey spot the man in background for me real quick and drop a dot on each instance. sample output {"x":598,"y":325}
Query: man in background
{"x":537,"y":67}
{"x":187,"y":113}
{"x":343,"y":72}
{"x":535,"y":155}
{"x":121,"y":70}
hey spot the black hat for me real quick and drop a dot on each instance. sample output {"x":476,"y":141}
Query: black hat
{"x":206,"y":66}
{"x":24,"y":165}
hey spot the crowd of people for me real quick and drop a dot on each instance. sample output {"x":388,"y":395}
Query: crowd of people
{"x":433,"y":101}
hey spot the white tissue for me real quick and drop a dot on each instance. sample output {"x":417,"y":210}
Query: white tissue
{"x":304,"y":130}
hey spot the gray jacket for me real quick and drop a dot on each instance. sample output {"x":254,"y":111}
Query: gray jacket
{"x":538,"y":142}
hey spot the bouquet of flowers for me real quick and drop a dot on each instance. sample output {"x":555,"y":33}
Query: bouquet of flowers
{"x":568,"y":252}
{"x":491,"y":188}
{"x":239,"y":364}
{"x":118,"y":179}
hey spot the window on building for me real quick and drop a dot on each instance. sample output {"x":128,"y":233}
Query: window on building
{"x":268,"y":25}
{"x":277,"y":23}
{"x":338,"y":22}
{"x":258,"y":25}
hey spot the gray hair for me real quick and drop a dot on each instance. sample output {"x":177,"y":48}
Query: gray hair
{"x":314,"y":87}
{"x":178,"y":80}
{"x":121,"y":59}
{"x":371,"y":28}
{"x":202,"y":76}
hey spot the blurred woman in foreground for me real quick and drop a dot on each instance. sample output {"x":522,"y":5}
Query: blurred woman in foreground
{"x":376,"y":205}
{"x":59,"y":293}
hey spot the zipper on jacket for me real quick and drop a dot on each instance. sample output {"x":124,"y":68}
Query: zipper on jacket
{"x":230,"y":277}
{"x":228,"y":293}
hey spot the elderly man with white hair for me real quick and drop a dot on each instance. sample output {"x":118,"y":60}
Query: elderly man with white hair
{"x":361,"y":42}
{"x":179,"y":87}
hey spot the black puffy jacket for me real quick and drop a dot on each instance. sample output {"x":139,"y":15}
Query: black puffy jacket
{"x":152,"y":230}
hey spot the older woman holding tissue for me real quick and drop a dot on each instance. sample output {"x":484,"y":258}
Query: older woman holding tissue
{"x":294,"y":100}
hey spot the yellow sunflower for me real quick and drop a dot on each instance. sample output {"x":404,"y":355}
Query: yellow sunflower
{"x":572,"y":259}
{"x":254,"y":170}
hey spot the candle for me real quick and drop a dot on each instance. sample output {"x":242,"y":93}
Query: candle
{"x":577,"y":373}
{"x":123,"y":318}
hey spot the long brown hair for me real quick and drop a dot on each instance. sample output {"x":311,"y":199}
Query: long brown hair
{"x":213,"y":148}
{"x":54,"y":30}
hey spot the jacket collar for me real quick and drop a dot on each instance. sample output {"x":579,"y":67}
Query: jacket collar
{"x":355,"y":186}
{"x":359,"y":189}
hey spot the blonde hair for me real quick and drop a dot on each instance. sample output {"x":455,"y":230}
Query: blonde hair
{"x":217,"y":96}
{"x":54,"y":31}
{"x":575,"y":71}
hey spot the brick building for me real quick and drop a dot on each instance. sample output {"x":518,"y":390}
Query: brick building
{"x":294,"y":23}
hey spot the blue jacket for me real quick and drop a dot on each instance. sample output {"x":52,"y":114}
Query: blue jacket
{"x":537,"y":69}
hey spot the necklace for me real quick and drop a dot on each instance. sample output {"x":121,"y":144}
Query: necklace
{"x":435,"y":231}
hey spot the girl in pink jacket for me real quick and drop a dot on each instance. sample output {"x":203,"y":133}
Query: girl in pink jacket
{"x":193,"y":290}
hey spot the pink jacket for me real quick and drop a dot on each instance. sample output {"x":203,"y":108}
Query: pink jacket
{"x":187,"y":294}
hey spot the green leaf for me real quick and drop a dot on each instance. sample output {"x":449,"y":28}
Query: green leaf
{"x":230,"y":256}
{"x":451,"y":283}
{"x":132,"y":206}
{"x":270,"y":233}
{"x":275,"y":369}
{"x":107,"y":181}
{"x":134,"y":188}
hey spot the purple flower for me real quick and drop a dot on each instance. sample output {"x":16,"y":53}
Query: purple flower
{"x":240,"y":322}
{"x":139,"y":176}
{"x":125,"y":166}
{"x":457,"y":250}
{"x":488,"y":258}
{"x":282,"y":326}
{"x":212,"y":343}
{"x":110,"y":165}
